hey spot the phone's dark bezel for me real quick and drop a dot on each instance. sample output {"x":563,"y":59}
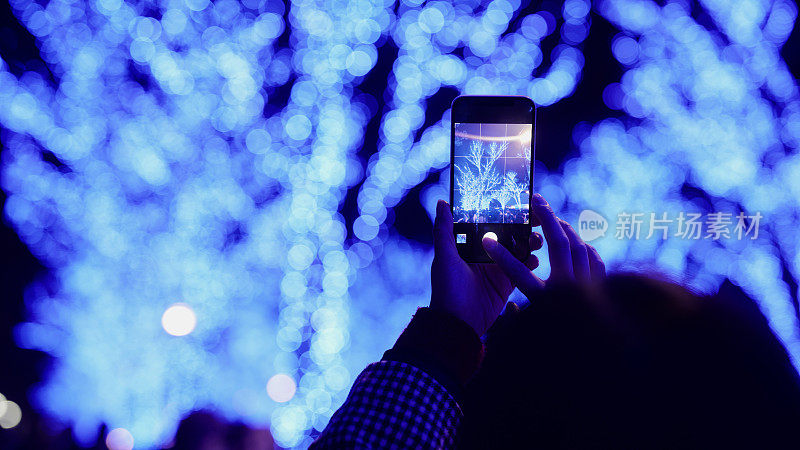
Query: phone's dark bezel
{"x":491,"y":109}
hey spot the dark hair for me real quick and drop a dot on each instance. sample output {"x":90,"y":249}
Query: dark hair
{"x":632,"y":362}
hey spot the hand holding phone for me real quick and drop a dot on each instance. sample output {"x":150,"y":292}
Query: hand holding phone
{"x":475,"y":293}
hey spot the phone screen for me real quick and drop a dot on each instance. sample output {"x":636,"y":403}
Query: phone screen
{"x":491,"y":172}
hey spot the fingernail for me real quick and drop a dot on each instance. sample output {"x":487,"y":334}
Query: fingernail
{"x":539,"y":200}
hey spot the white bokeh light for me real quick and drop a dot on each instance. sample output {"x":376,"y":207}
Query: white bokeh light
{"x":281,"y":388}
{"x":119,"y":439}
{"x":179,"y":319}
{"x":10,"y":414}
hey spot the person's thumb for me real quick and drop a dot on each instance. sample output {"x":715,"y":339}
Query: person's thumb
{"x":444,"y":243}
{"x":519,"y":274}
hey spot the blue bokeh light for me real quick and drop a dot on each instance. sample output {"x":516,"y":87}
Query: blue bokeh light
{"x":176,"y":187}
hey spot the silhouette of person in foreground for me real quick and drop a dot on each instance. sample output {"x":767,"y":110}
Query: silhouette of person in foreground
{"x":592,"y":362}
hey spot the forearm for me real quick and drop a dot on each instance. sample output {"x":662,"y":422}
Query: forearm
{"x":441,"y":345}
{"x":410,"y":399}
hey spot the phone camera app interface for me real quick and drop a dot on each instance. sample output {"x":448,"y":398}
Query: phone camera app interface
{"x":492,"y":172}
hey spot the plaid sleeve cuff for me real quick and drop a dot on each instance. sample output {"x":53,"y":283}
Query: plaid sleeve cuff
{"x":393,"y":405}
{"x":442,"y":345}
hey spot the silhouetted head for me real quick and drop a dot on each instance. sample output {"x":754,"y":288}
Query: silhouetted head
{"x":205,"y":430}
{"x":632,"y":362}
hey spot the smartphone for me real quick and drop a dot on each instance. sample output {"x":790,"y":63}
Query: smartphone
{"x":491,"y":173}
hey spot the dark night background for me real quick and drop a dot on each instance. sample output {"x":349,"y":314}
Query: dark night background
{"x":22,"y":369}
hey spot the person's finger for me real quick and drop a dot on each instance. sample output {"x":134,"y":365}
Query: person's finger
{"x":535,"y":241}
{"x":444,"y":243}
{"x":516,"y":271}
{"x":511,"y":309}
{"x":532,"y":262}
{"x":557,"y":241}
{"x":580,"y":256}
{"x":596,"y":265}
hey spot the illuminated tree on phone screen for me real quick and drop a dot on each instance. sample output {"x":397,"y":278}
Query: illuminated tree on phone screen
{"x":478,"y":179}
{"x":490,"y":160}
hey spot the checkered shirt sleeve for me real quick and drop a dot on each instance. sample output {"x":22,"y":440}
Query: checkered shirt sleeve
{"x":393,"y":405}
